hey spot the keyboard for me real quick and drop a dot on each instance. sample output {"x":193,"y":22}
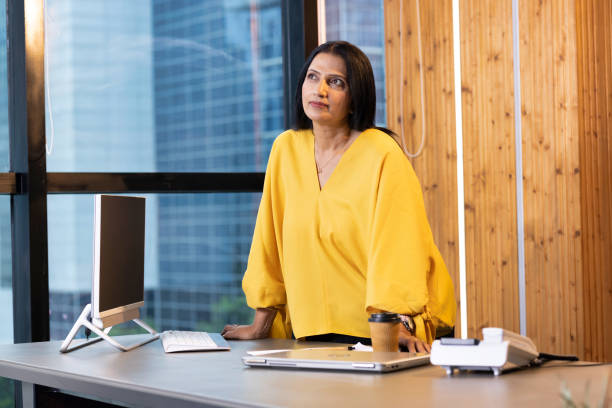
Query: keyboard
{"x":176,"y":340}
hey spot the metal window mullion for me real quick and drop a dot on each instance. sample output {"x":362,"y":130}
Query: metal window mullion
{"x":300,"y":36}
{"x":93,"y":183}
{"x":25,"y":58}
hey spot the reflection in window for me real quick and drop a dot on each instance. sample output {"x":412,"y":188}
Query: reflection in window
{"x":361,"y":22}
{"x":196,"y":251}
{"x":4,"y":141}
{"x":6,"y":270}
{"x":6,"y":294}
{"x":160,"y":85}
{"x":7,"y":392}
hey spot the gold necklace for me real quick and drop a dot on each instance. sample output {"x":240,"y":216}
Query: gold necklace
{"x":320,"y":168}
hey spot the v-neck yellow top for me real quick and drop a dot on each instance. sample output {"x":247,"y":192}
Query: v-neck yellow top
{"x":324,"y":256}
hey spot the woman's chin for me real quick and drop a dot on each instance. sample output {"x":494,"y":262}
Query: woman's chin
{"x":318,"y":116}
{"x":325,"y":120}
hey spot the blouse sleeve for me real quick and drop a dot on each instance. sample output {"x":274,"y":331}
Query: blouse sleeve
{"x":404,"y":265}
{"x":263,"y":282}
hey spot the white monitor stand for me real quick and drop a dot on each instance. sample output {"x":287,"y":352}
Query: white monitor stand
{"x":117,"y":291}
{"x":83,"y":320}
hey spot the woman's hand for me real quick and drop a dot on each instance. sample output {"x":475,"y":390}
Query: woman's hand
{"x":412,"y":343}
{"x":241,"y":332}
{"x":259,"y":329}
{"x":406,"y":339}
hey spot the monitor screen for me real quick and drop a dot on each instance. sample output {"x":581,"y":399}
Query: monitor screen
{"x":119,"y":253}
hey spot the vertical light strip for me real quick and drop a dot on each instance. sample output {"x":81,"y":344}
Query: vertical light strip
{"x":518,"y":137}
{"x":321,"y":21}
{"x":459,"y":143}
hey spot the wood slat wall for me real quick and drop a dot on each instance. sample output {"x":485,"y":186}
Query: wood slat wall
{"x":436,"y":167}
{"x":565,"y":49}
{"x":489,"y":164}
{"x":594,"y":45}
{"x":551,"y":169}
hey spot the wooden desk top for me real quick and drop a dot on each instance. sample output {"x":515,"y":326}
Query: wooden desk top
{"x":148,"y":377}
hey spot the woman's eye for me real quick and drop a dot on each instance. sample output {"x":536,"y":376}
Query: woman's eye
{"x":311,"y":76}
{"x":336,"y":83}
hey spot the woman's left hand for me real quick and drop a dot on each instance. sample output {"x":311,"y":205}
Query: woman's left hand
{"x":412,"y":343}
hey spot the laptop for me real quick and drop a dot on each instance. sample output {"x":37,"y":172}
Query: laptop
{"x":335,"y":359}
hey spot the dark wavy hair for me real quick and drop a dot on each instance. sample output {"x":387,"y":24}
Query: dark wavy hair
{"x":361,"y":85}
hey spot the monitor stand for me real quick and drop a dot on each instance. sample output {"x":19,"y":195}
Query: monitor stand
{"x":84,"y":321}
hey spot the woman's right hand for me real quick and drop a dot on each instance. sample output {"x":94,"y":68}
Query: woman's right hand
{"x":241,"y":332}
{"x":259,"y":329}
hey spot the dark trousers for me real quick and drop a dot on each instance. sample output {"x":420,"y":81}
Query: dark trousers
{"x":344,"y":338}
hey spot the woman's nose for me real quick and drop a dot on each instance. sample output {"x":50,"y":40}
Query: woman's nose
{"x":322,"y":88}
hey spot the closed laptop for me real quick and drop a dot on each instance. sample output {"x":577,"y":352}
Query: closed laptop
{"x":335,"y":359}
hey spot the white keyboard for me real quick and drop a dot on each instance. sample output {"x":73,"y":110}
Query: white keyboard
{"x":175,"y":340}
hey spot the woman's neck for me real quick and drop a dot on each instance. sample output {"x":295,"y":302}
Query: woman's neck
{"x":331,"y":137}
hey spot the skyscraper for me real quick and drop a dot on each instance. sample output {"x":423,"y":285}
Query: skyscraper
{"x":218,"y":107}
{"x":99,"y":118}
{"x":361,"y":23}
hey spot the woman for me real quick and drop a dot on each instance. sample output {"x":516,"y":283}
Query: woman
{"x":341,"y":230}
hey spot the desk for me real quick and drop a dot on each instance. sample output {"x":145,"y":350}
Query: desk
{"x":148,"y":377}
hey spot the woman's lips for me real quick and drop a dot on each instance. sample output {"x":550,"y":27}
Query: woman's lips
{"x":318,"y":105}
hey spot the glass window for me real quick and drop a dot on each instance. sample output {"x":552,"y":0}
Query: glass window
{"x":361,"y":22}
{"x":4,"y":139}
{"x":6,"y":271}
{"x":6,"y":294}
{"x":197,"y":247}
{"x":162,"y":85}
{"x":7,"y":393}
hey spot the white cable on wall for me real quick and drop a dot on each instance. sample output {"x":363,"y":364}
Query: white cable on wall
{"x":460,"y":183}
{"x":321,"y":23}
{"x":518,"y":136}
{"x":403,"y":139}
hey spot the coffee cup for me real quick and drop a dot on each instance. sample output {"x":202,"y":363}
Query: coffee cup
{"x":384,"y":331}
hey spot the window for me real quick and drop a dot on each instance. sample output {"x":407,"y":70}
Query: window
{"x":6,"y":291}
{"x":4,"y":134}
{"x":7,"y":392}
{"x":196,"y":251}
{"x":162,"y":86}
{"x":148,"y":86}
{"x":361,"y":22}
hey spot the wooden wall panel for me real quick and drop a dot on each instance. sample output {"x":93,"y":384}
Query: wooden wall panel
{"x":565,"y":51}
{"x":489,"y":164}
{"x":594,"y":45}
{"x":551,"y":166}
{"x":436,"y":167}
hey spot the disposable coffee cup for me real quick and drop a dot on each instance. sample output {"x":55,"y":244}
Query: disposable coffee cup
{"x":384,"y":331}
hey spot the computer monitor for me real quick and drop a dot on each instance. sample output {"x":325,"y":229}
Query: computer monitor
{"x":119,"y":252}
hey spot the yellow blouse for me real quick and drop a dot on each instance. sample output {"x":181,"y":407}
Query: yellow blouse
{"x":325,"y":256}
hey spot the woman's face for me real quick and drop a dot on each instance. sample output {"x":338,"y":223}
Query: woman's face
{"x":325,"y":94}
